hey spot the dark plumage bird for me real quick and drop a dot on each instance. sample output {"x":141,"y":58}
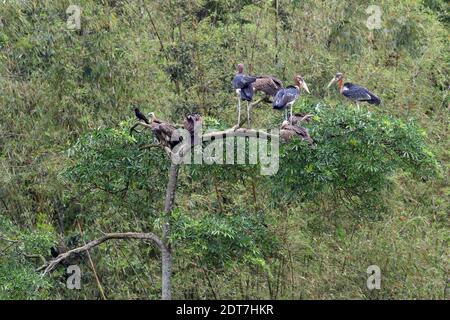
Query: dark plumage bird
{"x":286,"y":97}
{"x":243,"y":85}
{"x":267,"y":84}
{"x":140,"y":115}
{"x":289,"y":132}
{"x":354,"y":92}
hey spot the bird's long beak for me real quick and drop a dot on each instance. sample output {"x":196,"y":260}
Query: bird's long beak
{"x":305,"y":86}
{"x":331,"y":82}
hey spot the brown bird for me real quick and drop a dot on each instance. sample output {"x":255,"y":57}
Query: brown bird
{"x":298,"y":118}
{"x":267,"y":84}
{"x":289,"y":131}
{"x":193,"y":123}
{"x":165,"y":132}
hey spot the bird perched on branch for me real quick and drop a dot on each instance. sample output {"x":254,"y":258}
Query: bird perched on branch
{"x":141,"y":116}
{"x":286,"y":97}
{"x":153,"y":118}
{"x":193,"y":123}
{"x":298,"y":118}
{"x":354,"y":92}
{"x":165,"y":132}
{"x":268,"y":85}
{"x":289,"y":131}
{"x":243,"y":85}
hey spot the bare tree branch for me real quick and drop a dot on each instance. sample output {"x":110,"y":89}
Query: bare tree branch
{"x":124,"y":235}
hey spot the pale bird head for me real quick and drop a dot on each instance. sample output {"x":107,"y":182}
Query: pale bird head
{"x":301,"y":83}
{"x":240,"y":68}
{"x":337,"y":77}
{"x":151,"y":115}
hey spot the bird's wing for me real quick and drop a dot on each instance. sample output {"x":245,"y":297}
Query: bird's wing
{"x":267,"y":84}
{"x":299,"y":130}
{"x":286,"y":96}
{"x":241,"y":81}
{"x":355,"y":92}
{"x":290,"y":94}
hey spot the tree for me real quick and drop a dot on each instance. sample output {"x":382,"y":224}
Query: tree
{"x":354,"y":154}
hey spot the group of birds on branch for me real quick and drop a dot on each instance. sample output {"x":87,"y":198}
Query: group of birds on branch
{"x":282,"y":98}
{"x":167,"y":133}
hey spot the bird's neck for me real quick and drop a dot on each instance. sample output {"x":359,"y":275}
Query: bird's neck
{"x":340,"y":84}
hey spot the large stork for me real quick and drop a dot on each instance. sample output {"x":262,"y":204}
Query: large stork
{"x":286,"y":97}
{"x":354,"y":92}
{"x":243,"y":85}
{"x":289,"y":131}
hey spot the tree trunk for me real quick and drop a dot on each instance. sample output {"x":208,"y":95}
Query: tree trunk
{"x":166,"y":250}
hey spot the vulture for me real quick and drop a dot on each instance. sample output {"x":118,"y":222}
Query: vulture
{"x":165,"y":132}
{"x":193,"y":123}
{"x":354,"y":92}
{"x":243,"y":85}
{"x":297,"y":118}
{"x":289,"y":131}
{"x":286,"y":97}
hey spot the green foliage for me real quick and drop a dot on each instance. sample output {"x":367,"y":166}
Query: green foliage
{"x":355,"y":153}
{"x":223,"y":240}
{"x":366,"y":193}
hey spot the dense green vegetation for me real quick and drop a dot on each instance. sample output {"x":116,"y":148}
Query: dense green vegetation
{"x":373,"y":190}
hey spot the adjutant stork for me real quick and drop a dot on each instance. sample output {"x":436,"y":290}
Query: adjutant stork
{"x":289,"y":131}
{"x":287,"y":97}
{"x":244,"y":90}
{"x":354,"y":92}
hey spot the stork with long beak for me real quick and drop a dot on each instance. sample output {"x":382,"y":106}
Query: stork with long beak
{"x":286,"y":97}
{"x":243,"y":85}
{"x":354,"y":92}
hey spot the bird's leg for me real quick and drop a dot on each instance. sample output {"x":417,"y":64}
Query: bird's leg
{"x":285,"y":114}
{"x":357,"y":105}
{"x":291,"y":114}
{"x":248,"y":114}
{"x":239,"y":111}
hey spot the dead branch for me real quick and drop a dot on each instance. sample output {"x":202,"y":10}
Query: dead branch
{"x":124,"y":235}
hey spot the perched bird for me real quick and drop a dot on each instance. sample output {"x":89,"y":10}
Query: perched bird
{"x":286,"y":97}
{"x":193,"y":123}
{"x":140,"y":115}
{"x":165,"y":132}
{"x":354,"y":92}
{"x":55,"y":251}
{"x":243,"y":85}
{"x":297,"y":118}
{"x":289,"y":131}
{"x":268,"y":85}
{"x":153,"y":118}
